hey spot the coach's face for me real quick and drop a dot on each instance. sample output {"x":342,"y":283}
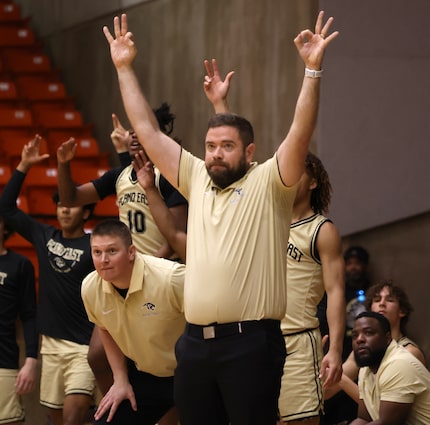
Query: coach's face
{"x":112,"y":259}
{"x":226,"y":159}
{"x":369,"y":342}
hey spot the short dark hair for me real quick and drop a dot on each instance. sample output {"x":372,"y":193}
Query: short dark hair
{"x":357,"y":252}
{"x":383,"y":321}
{"x":243,"y":126}
{"x":321,"y":195}
{"x":395,"y":291}
{"x":89,"y":207}
{"x":113,"y":227}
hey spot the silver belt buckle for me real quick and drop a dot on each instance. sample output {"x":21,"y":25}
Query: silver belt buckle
{"x":209,"y":332}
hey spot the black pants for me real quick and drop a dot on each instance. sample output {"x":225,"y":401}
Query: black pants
{"x":231,"y":379}
{"x":154,"y":397}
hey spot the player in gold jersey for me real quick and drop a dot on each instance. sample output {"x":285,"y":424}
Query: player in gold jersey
{"x":314,"y":265}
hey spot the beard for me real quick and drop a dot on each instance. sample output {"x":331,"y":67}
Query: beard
{"x":372,"y":360}
{"x":228,"y":175}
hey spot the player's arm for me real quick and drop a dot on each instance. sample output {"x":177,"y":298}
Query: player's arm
{"x":69,"y":193}
{"x":26,"y":379}
{"x":347,"y":382}
{"x":330,"y":252}
{"x":172,"y":223}
{"x":163,"y":151}
{"x":363,"y":416}
{"x":391,"y":413}
{"x":121,"y":388}
{"x":27,"y":375}
{"x":292,"y":151}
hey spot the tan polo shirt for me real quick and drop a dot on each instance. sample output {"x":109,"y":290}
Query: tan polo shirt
{"x":305,"y":287}
{"x":147,"y":323}
{"x":236,"y":244}
{"x":401,"y":378}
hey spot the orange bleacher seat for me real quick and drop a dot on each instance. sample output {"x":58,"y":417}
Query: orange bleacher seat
{"x":9,"y":12}
{"x":26,"y":61}
{"x":8,"y":90}
{"x":12,"y":149}
{"x":90,"y":224}
{"x":87,"y":152}
{"x":42,"y":90}
{"x":85,"y":174}
{"x":22,"y":203}
{"x":15,"y":117}
{"x":40,"y":185}
{"x":16,"y":241}
{"x":108,"y":207}
{"x":24,"y":79}
{"x":56,"y":136}
{"x":16,"y":35}
{"x":40,"y":107}
{"x":8,"y":136}
{"x":5,"y":174}
{"x":54,"y":118}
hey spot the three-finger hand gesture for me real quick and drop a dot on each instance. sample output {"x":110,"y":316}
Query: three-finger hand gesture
{"x":122,"y":47}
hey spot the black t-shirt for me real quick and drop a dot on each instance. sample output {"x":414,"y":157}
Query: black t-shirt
{"x":63,"y":264}
{"x":17,"y":300}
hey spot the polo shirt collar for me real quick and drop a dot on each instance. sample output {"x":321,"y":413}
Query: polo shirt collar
{"x":136,"y":283}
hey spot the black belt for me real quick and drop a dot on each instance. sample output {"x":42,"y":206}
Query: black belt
{"x":220,"y":330}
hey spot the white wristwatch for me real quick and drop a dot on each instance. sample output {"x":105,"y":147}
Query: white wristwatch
{"x":312,"y":73}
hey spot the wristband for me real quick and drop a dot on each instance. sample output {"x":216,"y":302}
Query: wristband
{"x":312,"y":73}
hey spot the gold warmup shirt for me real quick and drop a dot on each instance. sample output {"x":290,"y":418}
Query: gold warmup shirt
{"x":148,"y":322}
{"x":305,"y":287}
{"x":236,"y":243}
{"x":135,"y":213}
{"x":401,"y":378}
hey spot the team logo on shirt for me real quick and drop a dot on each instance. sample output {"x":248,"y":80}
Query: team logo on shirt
{"x":148,"y":309}
{"x":237,"y":195}
{"x":63,"y":258}
{"x":3,"y":276}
